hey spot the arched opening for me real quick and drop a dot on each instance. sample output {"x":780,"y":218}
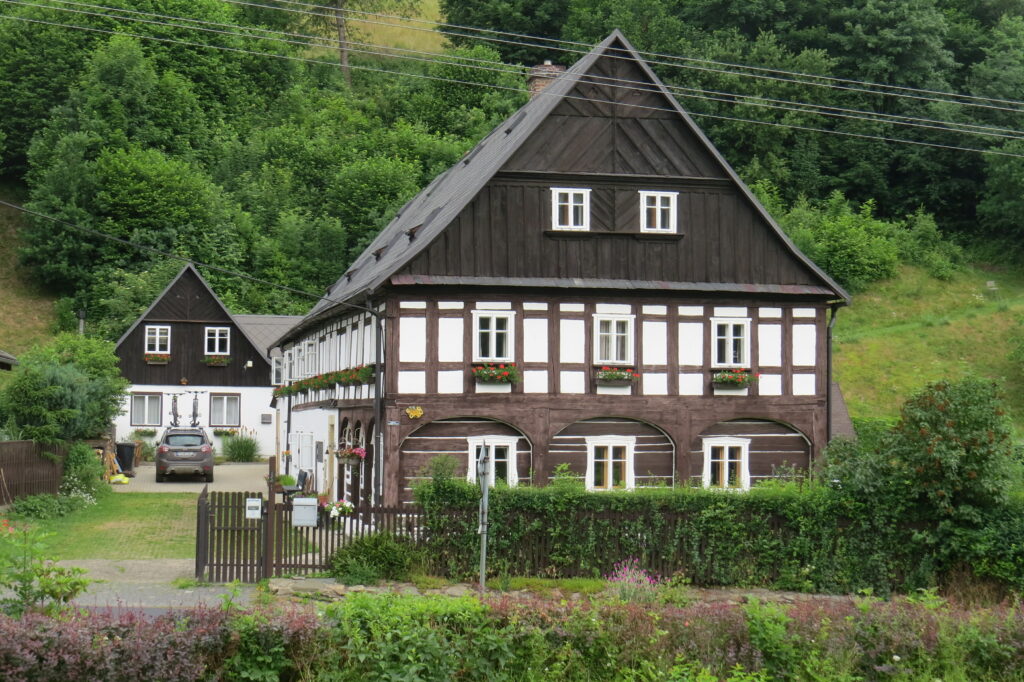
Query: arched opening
{"x":461,"y":438}
{"x":741,"y":452}
{"x":609,"y":453}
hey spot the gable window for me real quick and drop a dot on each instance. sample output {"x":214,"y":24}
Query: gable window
{"x":610,"y":463}
{"x":218,"y":340}
{"x":492,"y":336}
{"x":613,"y":339}
{"x":277,"y":370}
{"x":503,"y":458}
{"x":570,"y":209}
{"x":146,"y":409}
{"x":726,"y":463}
{"x":731,"y":343}
{"x":225,"y":409}
{"x":158,"y":338}
{"x":658,"y":212}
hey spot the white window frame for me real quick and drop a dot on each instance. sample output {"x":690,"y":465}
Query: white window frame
{"x":630,"y":339}
{"x":146,"y":421}
{"x":510,"y":332}
{"x":490,"y":442}
{"x":300,"y":360}
{"x":593,"y":442}
{"x":216,"y":334}
{"x":289,"y":365}
{"x":153,"y":341}
{"x":311,"y":358}
{"x":727,"y":442}
{"x":277,"y":368}
{"x":224,"y":397}
{"x":570,"y":193}
{"x":716,"y":361}
{"x":673,"y":214}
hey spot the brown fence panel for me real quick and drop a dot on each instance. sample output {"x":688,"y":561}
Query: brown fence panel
{"x":26,"y":470}
{"x":228,"y":545}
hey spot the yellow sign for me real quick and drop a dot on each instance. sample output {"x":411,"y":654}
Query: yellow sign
{"x":414,"y":412}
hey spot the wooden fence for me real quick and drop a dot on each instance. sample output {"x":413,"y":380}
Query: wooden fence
{"x":26,"y":470}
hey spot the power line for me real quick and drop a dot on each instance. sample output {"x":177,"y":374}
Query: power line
{"x":725,"y":97}
{"x":585,"y":48}
{"x":500,"y":87}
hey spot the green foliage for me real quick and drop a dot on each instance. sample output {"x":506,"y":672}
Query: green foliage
{"x":260,"y":652}
{"x":68,"y":390}
{"x":543,"y":19}
{"x":46,"y":506}
{"x":240,"y":448}
{"x":83,"y":471}
{"x":33,"y":582}
{"x":379,"y":556}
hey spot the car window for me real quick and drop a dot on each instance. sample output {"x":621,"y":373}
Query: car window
{"x":184,"y":439}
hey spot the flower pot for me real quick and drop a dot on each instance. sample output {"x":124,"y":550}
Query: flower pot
{"x":614,"y":382}
{"x":156,"y":362}
{"x":493,"y":387}
{"x":352,"y":461}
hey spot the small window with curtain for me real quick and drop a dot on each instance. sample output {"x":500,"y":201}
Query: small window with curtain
{"x":613,"y":339}
{"x":658,"y":212}
{"x":726,"y":463}
{"x":158,"y":338}
{"x":225,"y":409}
{"x":218,"y":340}
{"x":610,"y":463}
{"x":731,"y":343}
{"x":570,"y":209}
{"x":146,"y":409}
{"x":493,"y":336}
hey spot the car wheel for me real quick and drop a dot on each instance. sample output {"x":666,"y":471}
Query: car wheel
{"x":160,"y":478}
{"x":209,"y":477}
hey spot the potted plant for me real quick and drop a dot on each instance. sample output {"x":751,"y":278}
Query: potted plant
{"x":281,"y":481}
{"x":157,"y":358}
{"x":616,"y":376}
{"x":217,"y":360}
{"x":353,"y":456}
{"x":338,"y":508}
{"x":488,"y":373}
{"x":733,"y":378}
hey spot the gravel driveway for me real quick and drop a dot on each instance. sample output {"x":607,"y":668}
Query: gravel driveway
{"x":229,"y":477}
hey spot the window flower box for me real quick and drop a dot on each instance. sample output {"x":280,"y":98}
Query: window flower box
{"x":733,"y":378}
{"x":616,"y":376}
{"x":505,"y":373}
{"x":217,"y":360}
{"x":355,"y":376}
{"x":157,"y":358}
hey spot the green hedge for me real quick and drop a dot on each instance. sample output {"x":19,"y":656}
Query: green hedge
{"x":781,"y":535}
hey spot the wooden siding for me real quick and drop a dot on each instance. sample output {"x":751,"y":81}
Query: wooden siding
{"x":772,"y":445}
{"x":652,"y":455}
{"x":29,"y":468}
{"x":188,"y":308}
{"x":505,"y":232}
{"x":449,"y":437}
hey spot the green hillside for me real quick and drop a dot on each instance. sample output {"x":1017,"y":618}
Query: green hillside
{"x":26,"y":312}
{"x":906,"y":332}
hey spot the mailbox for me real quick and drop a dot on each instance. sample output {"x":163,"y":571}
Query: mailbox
{"x":253,"y":508}
{"x":304,"y":511}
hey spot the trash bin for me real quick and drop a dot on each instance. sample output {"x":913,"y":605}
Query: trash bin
{"x":126,"y":456}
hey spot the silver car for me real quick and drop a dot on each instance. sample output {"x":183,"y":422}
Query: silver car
{"x":184,"y":451}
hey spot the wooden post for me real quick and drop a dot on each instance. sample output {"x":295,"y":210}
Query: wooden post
{"x":270,"y":521}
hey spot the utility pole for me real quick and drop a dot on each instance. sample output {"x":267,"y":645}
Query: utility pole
{"x":81,"y":321}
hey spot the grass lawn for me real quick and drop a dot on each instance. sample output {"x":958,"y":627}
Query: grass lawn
{"x":127,"y":526}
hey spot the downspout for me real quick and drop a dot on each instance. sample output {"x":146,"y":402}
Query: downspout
{"x":828,"y":372}
{"x":378,"y":404}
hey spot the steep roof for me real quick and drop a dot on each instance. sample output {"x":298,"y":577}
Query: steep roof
{"x":427,"y":215}
{"x":253,"y":331}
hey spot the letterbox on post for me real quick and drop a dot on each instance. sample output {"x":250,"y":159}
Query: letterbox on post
{"x":304,"y":511}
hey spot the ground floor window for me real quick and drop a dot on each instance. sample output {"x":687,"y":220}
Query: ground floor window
{"x":146,"y":409}
{"x":503,"y":458}
{"x":225,"y":409}
{"x":727,"y":463}
{"x":610,"y":463}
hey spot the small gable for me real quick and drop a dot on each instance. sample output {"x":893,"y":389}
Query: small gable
{"x":188,"y":298}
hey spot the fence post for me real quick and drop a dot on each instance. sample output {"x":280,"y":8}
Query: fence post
{"x":270,"y":520}
{"x":202,"y":533}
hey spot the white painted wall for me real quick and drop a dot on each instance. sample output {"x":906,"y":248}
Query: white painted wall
{"x":449,"y":341}
{"x":769,"y":345}
{"x":535,"y":339}
{"x":655,"y":343}
{"x":412,"y":339}
{"x":691,"y":343}
{"x":805,"y":341}
{"x":572,"y":340}
{"x":254,"y":401}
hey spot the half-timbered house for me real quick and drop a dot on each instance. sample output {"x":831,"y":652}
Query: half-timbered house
{"x":595,"y":231}
{"x":188,"y":349}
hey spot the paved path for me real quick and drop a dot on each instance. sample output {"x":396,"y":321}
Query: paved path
{"x":228,"y":477}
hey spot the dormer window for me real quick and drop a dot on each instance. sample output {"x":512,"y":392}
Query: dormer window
{"x":570,"y":209}
{"x":218,"y":340}
{"x":658,"y":212}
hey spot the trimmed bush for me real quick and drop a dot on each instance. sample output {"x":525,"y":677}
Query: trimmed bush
{"x":240,"y":448}
{"x":380,"y":556}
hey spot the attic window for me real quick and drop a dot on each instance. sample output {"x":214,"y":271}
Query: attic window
{"x":570,"y":209}
{"x":658,"y":212}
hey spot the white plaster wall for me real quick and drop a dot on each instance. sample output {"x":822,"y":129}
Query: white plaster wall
{"x":691,"y":384}
{"x":655,"y":384}
{"x":769,"y":345}
{"x":655,"y":343}
{"x":254,"y":401}
{"x":535,"y":381}
{"x":804,"y":344}
{"x":412,"y":339}
{"x":449,"y":381}
{"x":769,"y":384}
{"x":803,"y":384}
{"x":449,"y":339}
{"x":572,"y":339}
{"x":691,"y":343}
{"x":535,"y":339}
{"x":572,"y":382}
{"x":412,"y":382}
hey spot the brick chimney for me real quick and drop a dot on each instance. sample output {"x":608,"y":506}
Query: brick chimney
{"x":541,"y":76}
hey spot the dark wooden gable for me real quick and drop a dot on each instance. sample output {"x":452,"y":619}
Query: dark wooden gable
{"x":188,"y":299}
{"x":616,"y":120}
